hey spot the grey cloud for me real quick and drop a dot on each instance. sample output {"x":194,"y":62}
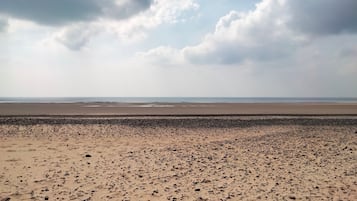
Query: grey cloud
{"x":348,"y":52}
{"x":128,"y":8}
{"x":75,"y":37}
{"x":3,"y":24}
{"x":323,"y":16}
{"x":58,"y":12}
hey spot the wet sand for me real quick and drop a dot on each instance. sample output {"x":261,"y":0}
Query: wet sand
{"x":178,"y":158}
{"x":178,"y":109}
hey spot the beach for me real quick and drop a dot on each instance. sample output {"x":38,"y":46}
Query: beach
{"x":159,"y":151}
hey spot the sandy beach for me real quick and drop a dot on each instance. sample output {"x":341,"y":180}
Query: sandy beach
{"x":178,"y":157}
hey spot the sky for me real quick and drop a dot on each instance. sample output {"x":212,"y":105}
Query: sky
{"x":174,"y":48}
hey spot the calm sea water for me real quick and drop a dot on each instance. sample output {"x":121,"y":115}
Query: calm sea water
{"x":176,"y":100}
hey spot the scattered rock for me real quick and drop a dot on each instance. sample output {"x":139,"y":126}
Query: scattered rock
{"x":46,"y":197}
{"x":88,"y":155}
{"x":292,"y":197}
{"x":6,"y":199}
{"x":197,"y":189}
{"x":205,"y":181}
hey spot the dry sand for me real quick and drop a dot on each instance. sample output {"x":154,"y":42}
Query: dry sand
{"x":225,"y":158}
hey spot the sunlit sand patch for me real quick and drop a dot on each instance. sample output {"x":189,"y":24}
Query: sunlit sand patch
{"x":92,"y":106}
{"x":154,"y":105}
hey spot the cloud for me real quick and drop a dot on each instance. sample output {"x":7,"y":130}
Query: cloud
{"x":160,"y":12}
{"x":3,"y":24}
{"x":165,"y":56}
{"x":75,"y":37}
{"x":129,"y":30}
{"x":321,"y":17}
{"x":128,"y":8}
{"x":261,"y":34}
{"x":54,"y":12}
{"x":274,"y":30}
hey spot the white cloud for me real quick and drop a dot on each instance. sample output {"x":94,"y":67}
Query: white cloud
{"x":275,"y":29}
{"x":74,"y":24}
{"x":129,"y":30}
{"x":261,"y":34}
{"x":161,"y":12}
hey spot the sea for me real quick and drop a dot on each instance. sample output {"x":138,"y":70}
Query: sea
{"x":177,"y":100}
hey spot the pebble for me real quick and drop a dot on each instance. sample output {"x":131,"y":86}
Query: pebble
{"x":154,"y":192}
{"x":88,"y":155}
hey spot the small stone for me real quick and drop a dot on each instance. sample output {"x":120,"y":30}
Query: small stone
{"x":292,"y":197}
{"x":197,"y":189}
{"x":88,"y":155}
{"x":154,"y":192}
{"x":6,"y":199}
{"x":46,"y":197}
